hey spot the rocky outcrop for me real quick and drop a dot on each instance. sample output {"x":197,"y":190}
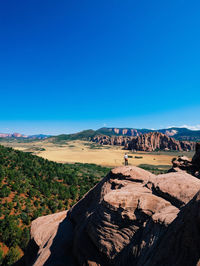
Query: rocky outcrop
{"x":112,"y":140}
{"x":120,"y":131}
{"x":158,"y":141}
{"x":147,"y":142}
{"x":180,"y":245}
{"x":131,"y":217}
{"x":125,"y":131}
{"x":183,"y":163}
{"x":175,"y":132}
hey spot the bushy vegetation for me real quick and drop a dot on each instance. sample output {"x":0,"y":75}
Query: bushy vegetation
{"x":30,"y":187}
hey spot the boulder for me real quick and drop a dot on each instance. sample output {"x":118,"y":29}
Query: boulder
{"x":126,"y":219}
{"x":182,"y":163}
{"x":180,"y":245}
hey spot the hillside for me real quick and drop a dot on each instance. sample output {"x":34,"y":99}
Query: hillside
{"x":83,"y":135}
{"x":30,"y":187}
{"x":186,"y":134}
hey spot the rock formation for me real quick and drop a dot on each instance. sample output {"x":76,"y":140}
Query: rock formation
{"x":175,"y":132}
{"x":131,"y":217}
{"x":112,"y":140}
{"x":158,"y":141}
{"x":147,"y":142}
{"x":185,"y":164}
{"x":125,"y":131}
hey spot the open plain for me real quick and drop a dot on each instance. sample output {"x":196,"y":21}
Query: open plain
{"x":88,"y":152}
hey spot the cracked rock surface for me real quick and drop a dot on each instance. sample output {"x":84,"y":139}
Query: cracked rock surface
{"x":131,"y":217}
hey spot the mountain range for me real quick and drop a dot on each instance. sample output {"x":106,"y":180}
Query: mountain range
{"x":175,"y":132}
{"x":22,"y":136}
{"x":182,"y":134}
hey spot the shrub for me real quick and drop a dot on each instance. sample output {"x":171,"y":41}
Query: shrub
{"x":12,"y":256}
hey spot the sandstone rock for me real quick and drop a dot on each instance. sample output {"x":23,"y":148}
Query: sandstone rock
{"x":190,"y":166}
{"x":196,"y":157}
{"x":157,"y":141}
{"x":180,"y":245}
{"x":131,"y":173}
{"x":51,"y":241}
{"x":129,"y":218}
{"x":113,"y":140}
{"x":182,"y":187}
{"x":147,"y":142}
{"x":125,"y":131}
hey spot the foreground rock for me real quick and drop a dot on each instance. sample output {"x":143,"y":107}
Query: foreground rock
{"x":131,"y":217}
{"x":147,"y":142}
{"x":190,"y":166}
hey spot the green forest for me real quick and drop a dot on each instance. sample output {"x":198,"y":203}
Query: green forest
{"x":30,"y":187}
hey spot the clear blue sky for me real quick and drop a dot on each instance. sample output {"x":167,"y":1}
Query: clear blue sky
{"x":70,"y":65}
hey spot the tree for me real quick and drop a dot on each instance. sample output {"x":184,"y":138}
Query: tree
{"x":12,"y":256}
{"x":2,"y":173}
{"x":5,"y":191}
{"x":25,"y":238}
{"x":1,"y":256}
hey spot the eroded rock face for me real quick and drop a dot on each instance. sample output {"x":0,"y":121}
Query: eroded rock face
{"x":125,"y":131}
{"x":180,"y":245}
{"x":129,"y":218}
{"x":157,"y":141}
{"x":147,"y":142}
{"x":113,"y":140}
{"x":190,"y":166}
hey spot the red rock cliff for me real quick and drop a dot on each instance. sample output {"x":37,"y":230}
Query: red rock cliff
{"x":146,"y":142}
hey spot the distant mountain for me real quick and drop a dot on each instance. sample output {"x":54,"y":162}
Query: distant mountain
{"x":12,"y":135}
{"x":39,"y":136}
{"x":22,"y":136}
{"x":182,"y":133}
{"x":175,"y":132}
{"x":122,"y":131}
{"x":83,"y":135}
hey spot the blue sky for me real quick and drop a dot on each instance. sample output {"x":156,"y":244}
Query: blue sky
{"x":71,"y":65}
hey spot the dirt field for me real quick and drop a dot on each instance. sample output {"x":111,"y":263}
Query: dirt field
{"x":86,"y":152}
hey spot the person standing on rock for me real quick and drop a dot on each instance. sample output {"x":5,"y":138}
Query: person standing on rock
{"x":126,"y":159}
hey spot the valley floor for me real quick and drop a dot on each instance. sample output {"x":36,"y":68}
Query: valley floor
{"x":87,"y":152}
